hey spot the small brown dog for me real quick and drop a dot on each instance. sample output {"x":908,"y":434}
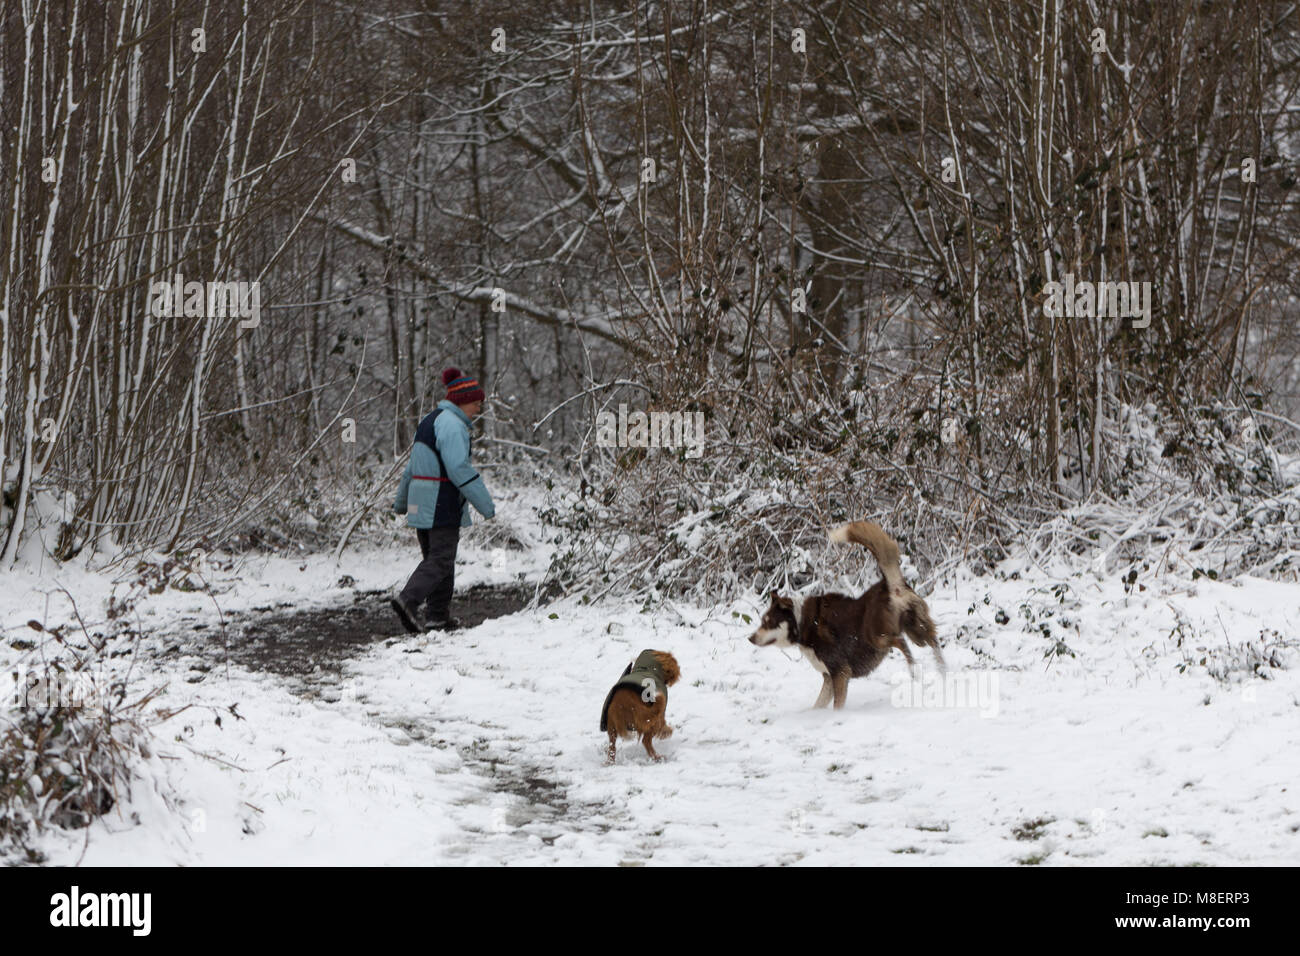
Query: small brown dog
{"x":638,"y":703}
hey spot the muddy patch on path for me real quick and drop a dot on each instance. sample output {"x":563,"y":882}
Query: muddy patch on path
{"x":307,"y":643}
{"x":307,"y":649}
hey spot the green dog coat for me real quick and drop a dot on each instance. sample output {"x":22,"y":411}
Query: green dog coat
{"x":644,"y":675}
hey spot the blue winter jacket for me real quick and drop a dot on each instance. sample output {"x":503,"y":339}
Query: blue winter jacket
{"x":429,"y":501}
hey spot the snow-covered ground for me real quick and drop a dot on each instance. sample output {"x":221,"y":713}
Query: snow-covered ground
{"x":1080,"y":725}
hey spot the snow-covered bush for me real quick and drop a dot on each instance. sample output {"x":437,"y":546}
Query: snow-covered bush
{"x":1212,"y":490}
{"x":69,"y":741}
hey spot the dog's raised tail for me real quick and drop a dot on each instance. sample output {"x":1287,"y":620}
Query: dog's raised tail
{"x":872,"y":537}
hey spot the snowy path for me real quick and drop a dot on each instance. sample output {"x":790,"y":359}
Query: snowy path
{"x":482,"y":747}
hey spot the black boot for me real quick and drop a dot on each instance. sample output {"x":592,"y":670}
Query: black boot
{"x":406,"y":613}
{"x":441,"y":622}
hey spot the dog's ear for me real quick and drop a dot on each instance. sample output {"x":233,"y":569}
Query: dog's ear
{"x":669,"y":663}
{"x":784,"y":602}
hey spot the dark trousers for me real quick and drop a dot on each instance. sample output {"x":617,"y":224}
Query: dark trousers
{"x":435,"y":577}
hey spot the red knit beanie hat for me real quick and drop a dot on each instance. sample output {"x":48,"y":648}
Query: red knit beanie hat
{"x":461,"y":389}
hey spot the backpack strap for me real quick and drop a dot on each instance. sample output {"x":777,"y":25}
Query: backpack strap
{"x":426,"y":436}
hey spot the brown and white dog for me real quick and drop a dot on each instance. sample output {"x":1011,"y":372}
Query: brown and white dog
{"x":843,"y":636}
{"x":637,"y":705}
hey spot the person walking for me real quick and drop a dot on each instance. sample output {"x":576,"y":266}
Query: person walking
{"x":437,"y":488}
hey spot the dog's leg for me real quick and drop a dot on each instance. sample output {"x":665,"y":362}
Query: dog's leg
{"x":665,"y":733}
{"x":841,"y":687}
{"x":824,"y":698}
{"x":646,"y":738}
{"x":938,"y":656}
{"x":609,"y":752}
{"x":901,"y":644}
